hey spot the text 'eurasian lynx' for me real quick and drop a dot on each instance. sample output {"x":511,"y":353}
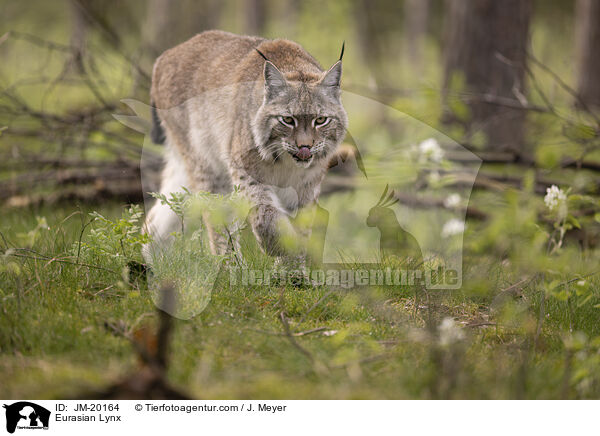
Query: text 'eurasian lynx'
{"x":239,"y":110}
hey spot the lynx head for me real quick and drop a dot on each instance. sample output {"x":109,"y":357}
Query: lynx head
{"x":301,"y":114}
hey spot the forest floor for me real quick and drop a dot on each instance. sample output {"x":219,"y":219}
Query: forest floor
{"x":485,"y":341}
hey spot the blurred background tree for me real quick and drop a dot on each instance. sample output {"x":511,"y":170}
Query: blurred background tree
{"x":483,"y":72}
{"x":485,"y":51}
{"x":166,"y":24}
{"x":587,"y":32}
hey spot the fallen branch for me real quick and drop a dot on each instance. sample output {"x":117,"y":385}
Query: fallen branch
{"x":290,"y":336}
{"x":481,"y":324}
{"x":296,"y":334}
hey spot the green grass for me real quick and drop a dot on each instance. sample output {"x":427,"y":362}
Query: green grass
{"x":55,"y":298}
{"x":54,"y":343}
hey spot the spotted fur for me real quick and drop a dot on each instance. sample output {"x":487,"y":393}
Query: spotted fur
{"x":220,"y":98}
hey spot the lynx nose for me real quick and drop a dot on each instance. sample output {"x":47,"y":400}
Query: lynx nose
{"x":304,"y":152}
{"x":308,"y":143}
{"x":304,"y":139}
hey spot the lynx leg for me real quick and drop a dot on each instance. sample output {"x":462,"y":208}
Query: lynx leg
{"x":207,"y":178}
{"x":161,"y":221}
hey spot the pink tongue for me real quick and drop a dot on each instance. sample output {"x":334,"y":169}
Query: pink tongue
{"x":303,"y":153}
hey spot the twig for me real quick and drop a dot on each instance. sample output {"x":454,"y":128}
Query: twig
{"x":585,"y":276}
{"x":504,"y":101}
{"x":111,"y":36}
{"x":6,"y":244}
{"x":481,"y":324}
{"x":290,"y":336}
{"x":315,"y":305}
{"x":36,"y":40}
{"x":516,"y":285}
{"x":297,"y":334}
{"x":564,"y":86}
{"x":83,"y":227}
{"x":308,"y":332}
{"x":126,"y":333}
{"x":541,"y":315}
{"x":166,"y":324}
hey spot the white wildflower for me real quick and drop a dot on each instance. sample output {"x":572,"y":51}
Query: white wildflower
{"x":452,"y":201}
{"x":430,"y":150}
{"x":556,"y":200}
{"x":453,"y":227}
{"x":450,"y":332}
{"x":433,"y":177}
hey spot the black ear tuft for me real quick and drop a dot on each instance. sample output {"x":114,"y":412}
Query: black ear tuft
{"x":342,"y":53}
{"x":262,"y":54}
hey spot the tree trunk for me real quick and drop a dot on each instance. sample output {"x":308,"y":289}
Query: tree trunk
{"x":79,"y":29}
{"x":169,"y":23}
{"x":486,"y":44}
{"x":416,"y":17}
{"x":587,"y":36}
{"x":292,"y":9}
{"x":376,"y":22}
{"x":255,"y":13}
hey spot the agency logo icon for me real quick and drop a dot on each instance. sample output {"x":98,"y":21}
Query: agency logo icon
{"x":26,"y":415}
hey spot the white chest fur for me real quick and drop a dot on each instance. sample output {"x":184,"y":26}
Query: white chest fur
{"x":289,"y":181}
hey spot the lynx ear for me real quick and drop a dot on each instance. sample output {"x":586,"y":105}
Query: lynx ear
{"x":333,"y":77}
{"x":275,"y":83}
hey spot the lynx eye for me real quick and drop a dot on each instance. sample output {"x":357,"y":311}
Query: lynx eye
{"x":320,"y":121}
{"x":287,"y":121}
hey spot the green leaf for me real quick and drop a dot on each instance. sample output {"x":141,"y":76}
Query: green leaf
{"x":548,"y":156}
{"x":579,"y":132}
{"x":571,"y":219}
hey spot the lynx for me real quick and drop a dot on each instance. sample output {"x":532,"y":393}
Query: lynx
{"x":249,"y":112}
